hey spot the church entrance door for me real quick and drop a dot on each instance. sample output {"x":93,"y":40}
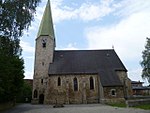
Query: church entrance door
{"x":41,"y":99}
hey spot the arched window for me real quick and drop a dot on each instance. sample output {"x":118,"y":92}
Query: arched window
{"x":113,"y":92}
{"x":75,"y":81}
{"x":59,"y":81}
{"x":35,"y":94}
{"x":91,"y":83}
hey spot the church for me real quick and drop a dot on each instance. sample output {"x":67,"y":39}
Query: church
{"x":75,"y":76}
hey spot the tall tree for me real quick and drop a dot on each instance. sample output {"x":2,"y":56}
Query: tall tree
{"x":15,"y":17}
{"x":146,"y":61}
{"x":11,"y":71}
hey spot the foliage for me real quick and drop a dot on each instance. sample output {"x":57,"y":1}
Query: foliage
{"x":146,"y":61}
{"x":11,"y":77}
{"x":11,"y":71}
{"x":117,"y":104}
{"x":26,"y":93}
{"x":143,"y":106}
{"x":16,"y":15}
{"x":9,"y":47}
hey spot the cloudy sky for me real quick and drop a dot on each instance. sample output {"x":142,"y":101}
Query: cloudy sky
{"x":95,"y":24}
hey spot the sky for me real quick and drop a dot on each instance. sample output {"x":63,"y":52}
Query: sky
{"x":95,"y":24}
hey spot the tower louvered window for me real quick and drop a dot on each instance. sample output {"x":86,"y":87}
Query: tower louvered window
{"x":44,"y":43}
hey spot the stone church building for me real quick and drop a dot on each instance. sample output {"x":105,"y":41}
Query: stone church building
{"x":75,"y":76}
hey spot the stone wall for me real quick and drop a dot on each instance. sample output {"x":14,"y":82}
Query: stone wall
{"x":126,"y":82}
{"x":118,"y":92}
{"x":113,"y":94}
{"x":65,"y":92}
{"x":43,"y":56}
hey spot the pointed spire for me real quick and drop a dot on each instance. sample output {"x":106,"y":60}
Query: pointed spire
{"x":46,"y":26}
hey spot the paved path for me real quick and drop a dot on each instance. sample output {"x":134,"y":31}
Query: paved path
{"x":89,"y":108}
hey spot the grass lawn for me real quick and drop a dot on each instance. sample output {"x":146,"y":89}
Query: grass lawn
{"x":144,"y":106}
{"x":118,"y":105}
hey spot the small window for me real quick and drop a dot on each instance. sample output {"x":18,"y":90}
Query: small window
{"x":113,"y":92}
{"x":41,"y":81}
{"x":35,"y":94}
{"x":59,"y":81}
{"x":91,"y":83}
{"x":44,"y":43}
{"x":75,"y":81}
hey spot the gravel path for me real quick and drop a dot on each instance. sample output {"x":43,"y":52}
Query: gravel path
{"x":89,"y":108}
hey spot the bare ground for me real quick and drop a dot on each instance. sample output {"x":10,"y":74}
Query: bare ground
{"x":87,"y":108}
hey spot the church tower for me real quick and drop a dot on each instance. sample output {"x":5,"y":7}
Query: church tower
{"x":45,"y":46}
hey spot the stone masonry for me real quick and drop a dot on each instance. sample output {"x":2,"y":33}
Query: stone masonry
{"x":65,"y":92}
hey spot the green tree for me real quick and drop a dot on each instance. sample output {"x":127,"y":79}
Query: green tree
{"x":11,"y":71}
{"x":15,"y":17}
{"x":26,"y":94}
{"x":146,"y":61}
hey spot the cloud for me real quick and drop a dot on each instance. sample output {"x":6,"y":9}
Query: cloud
{"x":28,"y":75}
{"x":134,"y":75}
{"x":128,"y":36}
{"x":87,"y":11}
{"x":70,"y":46}
{"x":29,"y":57}
{"x":27,"y":47}
{"x":128,"y":7}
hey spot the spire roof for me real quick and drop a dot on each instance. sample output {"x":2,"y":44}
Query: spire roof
{"x":46,"y":26}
